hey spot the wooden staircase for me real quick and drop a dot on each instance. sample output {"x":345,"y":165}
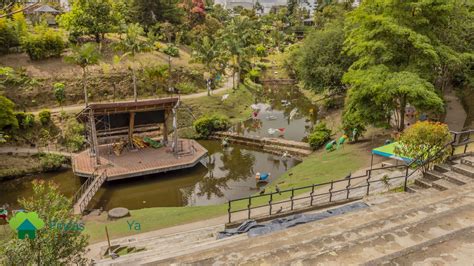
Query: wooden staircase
{"x":87,"y":191}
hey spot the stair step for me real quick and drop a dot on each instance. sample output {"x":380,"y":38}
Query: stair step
{"x":433,"y":175}
{"x":442,"y":168}
{"x":334,"y":232}
{"x":469,"y":161}
{"x":458,"y":178}
{"x":415,"y":188}
{"x":463,"y":169}
{"x":424,"y":182}
{"x":443,"y":184}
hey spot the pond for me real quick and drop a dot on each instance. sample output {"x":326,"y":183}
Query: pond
{"x":280,"y":111}
{"x":230,"y":175}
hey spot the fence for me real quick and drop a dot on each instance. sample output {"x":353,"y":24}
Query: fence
{"x":347,"y":186}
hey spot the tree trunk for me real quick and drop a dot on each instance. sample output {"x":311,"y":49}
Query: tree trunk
{"x":233,"y":78}
{"x":134,"y":79}
{"x":97,"y":37}
{"x":403,"y":104}
{"x":84,"y":86}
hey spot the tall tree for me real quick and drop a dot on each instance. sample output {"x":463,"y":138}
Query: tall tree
{"x":148,"y":13}
{"x":377,"y":93}
{"x":131,"y":45}
{"x":90,"y":17}
{"x":240,"y":36}
{"x":211,"y":54}
{"x":84,"y":56}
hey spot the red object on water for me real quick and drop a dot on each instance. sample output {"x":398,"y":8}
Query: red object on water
{"x":282,"y":129}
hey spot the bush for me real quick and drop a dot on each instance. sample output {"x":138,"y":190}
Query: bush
{"x":44,"y":117}
{"x":74,"y":135}
{"x":254,"y":74}
{"x":205,"y":125}
{"x":171,"y":50}
{"x":25,"y":120}
{"x":50,"y":161}
{"x":43,"y":43}
{"x":186,"y":87}
{"x":8,"y":36}
{"x":320,"y":135}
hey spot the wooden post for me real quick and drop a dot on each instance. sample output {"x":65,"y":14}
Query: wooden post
{"x":108,"y":239}
{"x":95,"y":142}
{"x":130,"y":128}
{"x":165,"y":127}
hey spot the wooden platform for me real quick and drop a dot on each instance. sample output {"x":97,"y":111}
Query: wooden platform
{"x":140,"y":162}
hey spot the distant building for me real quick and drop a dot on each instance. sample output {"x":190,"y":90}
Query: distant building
{"x":266,"y":4}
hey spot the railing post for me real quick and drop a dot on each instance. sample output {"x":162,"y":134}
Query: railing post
{"x":368,"y":182}
{"x":292,"y":196}
{"x":312,"y":192}
{"x":406,"y":179}
{"x":270,"y":203}
{"x":228,"y":211}
{"x":248,"y":206}
{"x":348,"y":187}
{"x":330,"y":190}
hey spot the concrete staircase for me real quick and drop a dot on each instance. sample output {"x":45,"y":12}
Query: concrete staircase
{"x":431,"y":225}
{"x":446,"y":176}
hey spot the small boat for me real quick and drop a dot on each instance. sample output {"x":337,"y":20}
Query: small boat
{"x":271,"y":117}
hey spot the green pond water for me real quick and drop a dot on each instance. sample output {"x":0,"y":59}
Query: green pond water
{"x":230,"y":174}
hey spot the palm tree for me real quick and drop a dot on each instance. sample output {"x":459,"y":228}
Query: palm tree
{"x":84,"y":56}
{"x":209,"y":52}
{"x":131,"y":45}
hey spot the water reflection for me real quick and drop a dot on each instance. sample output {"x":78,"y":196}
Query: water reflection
{"x":280,"y":112}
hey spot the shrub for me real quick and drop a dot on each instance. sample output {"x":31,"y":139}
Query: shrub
{"x":74,"y":135}
{"x":25,"y":120}
{"x":8,"y":36}
{"x":171,"y":50}
{"x":320,"y":135}
{"x":44,"y":117}
{"x":254,"y":74}
{"x":43,"y":43}
{"x":205,"y":125}
{"x":59,"y":92}
{"x":186,"y":87}
{"x":50,"y":161}
{"x":423,"y":140}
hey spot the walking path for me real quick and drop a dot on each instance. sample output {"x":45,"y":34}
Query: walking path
{"x":455,"y":113}
{"x":78,"y":107}
{"x":29,"y":151}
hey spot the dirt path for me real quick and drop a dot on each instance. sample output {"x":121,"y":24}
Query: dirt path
{"x":78,"y":107}
{"x":29,"y":151}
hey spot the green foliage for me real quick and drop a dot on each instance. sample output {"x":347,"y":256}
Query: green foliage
{"x":51,"y":162}
{"x":7,"y":116}
{"x":43,"y":43}
{"x":260,"y":50}
{"x":353,"y":125}
{"x":134,"y":41}
{"x":171,"y":50}
{"x":254,"y":74}
{"x":376,"y":92}
{"x":90,"y":17}
{"x":45,"y":117}
{"x":12,"y":29}
{"x":59,"y":92}
{"x":207,"y":124}
{"x":15,"y":77}
{"x":84,"y":55}
{"x":148,"y":13}
{"x":74,"y":135}
{"x":423,"y":140}
{"x":53,"y":245}
{"x":186,"y":87}
{"x":320,"y":135}
{"x":321,"y":63}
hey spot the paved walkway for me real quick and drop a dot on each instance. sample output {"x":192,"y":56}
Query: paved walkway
{"x":29,"y":151}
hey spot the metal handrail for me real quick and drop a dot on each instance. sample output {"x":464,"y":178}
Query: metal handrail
{"x":418,"y":162}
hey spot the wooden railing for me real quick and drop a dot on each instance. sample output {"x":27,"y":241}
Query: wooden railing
{"x":87,"y":190}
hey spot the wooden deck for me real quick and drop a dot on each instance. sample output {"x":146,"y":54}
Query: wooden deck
{"x":140,"y":162}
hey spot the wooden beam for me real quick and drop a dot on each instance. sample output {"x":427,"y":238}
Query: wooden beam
{"x":130,"y":128}
{"x":95,"y":143}
{"x":165,"y":127}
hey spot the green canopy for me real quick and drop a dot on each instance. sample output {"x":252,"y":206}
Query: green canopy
{"x":389,"y":152}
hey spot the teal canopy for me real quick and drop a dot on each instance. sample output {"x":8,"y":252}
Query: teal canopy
{"x":389,"y":152}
